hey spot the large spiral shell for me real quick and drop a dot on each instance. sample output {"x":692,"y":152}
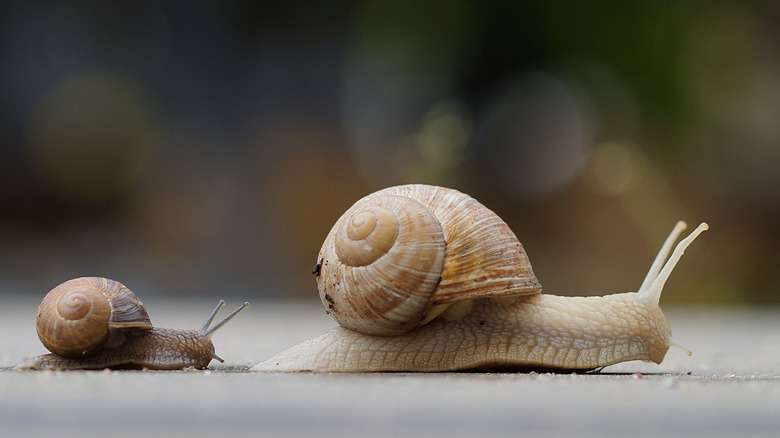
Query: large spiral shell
{"x":78,"y":317}
{"x":400,"y":256}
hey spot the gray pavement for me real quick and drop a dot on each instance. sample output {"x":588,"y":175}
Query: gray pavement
{"x":729,"y":387}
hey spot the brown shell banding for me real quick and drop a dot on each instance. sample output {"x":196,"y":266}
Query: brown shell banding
{"x":448,"y":248}
{"x":79,"y":316}
{"x":484,"y":257}
{"x":127,"y":311}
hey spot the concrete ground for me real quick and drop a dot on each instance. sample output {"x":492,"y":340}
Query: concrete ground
{"x":729,"y":387}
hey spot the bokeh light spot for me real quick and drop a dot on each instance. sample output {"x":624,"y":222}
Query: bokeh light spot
{"x":438,"y":147}
{"x":535,"y":135}
{"x":91,"y":136}
{"x":616,"y":167}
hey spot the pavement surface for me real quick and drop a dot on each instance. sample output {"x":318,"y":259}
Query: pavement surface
{"x":729,"y":387}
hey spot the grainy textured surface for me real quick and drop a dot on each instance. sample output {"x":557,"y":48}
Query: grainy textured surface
{"x":729,"y":387}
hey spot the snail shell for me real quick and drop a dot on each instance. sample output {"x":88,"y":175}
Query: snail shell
{"x":82,"y":315}
{"x":400,"y":256}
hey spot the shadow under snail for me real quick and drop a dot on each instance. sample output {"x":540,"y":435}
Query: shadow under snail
{"x":97,"y":323}
{"x":424,"y":278}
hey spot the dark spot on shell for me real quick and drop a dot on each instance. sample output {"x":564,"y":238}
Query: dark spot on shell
{"x":317,"y":268}
{"x":330,"y":301}
{"x":482,"y":323}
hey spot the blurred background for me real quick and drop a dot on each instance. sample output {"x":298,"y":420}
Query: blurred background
{"x":206,"y":148}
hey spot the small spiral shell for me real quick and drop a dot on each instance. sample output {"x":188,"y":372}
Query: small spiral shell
{"x":79,"y":316}
{"x":398,"y":257}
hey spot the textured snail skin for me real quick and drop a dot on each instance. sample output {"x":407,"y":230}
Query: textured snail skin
{"x":537,"y":332}
{"x":155,"y":349}
{"x":520,"y":329}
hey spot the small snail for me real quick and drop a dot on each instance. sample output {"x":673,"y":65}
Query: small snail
{"x":424,"y":278}
{"x":96,"y":323}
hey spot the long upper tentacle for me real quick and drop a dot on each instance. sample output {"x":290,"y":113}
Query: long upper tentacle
{"x":651,"y":289}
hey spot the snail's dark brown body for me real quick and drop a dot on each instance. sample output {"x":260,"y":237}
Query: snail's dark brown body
{"x":156,"y":348}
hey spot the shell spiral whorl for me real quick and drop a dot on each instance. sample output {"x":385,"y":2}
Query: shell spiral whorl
{"x":382,"y":244}
{"x":75,"y":304}
{"x":366,"y":236}
{"x":77,"y":317}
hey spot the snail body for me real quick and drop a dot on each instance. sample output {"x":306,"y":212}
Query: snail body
{"x":96,"y":323}
{"x":482,"y":306}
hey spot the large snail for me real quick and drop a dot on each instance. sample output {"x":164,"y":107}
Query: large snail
{"x":97,"y":323}
{"x":424,"y":278}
